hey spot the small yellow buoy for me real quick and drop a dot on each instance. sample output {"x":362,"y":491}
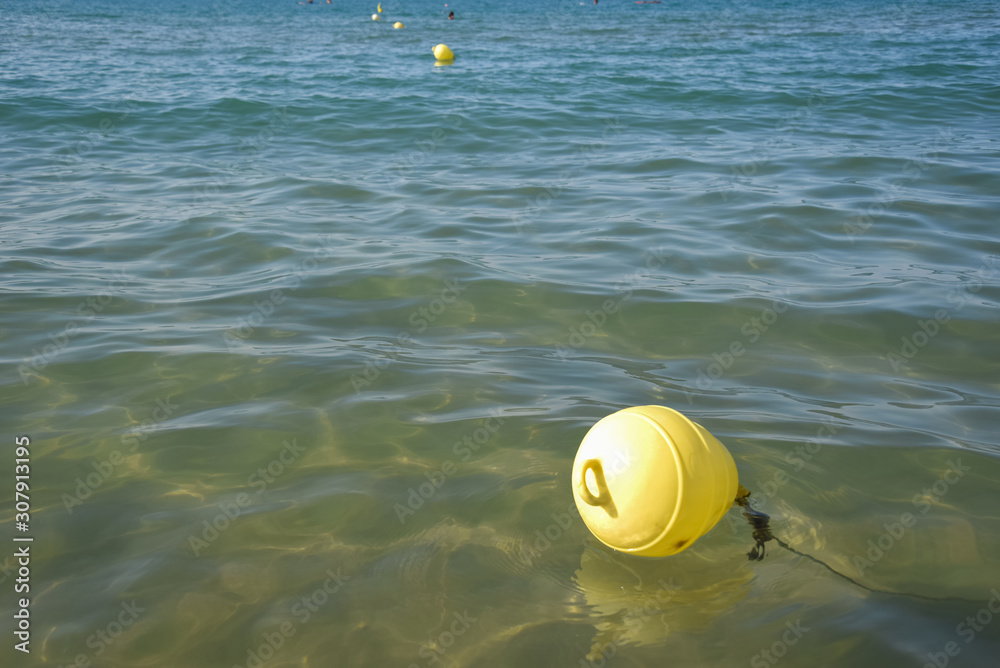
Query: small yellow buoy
{"x":380,"y":8}
{"x":398,"y":24}
{"x":650,"y":482}
{"x":442,"y":52}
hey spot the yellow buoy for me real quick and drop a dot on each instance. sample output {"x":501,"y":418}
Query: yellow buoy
{"x":380,"y":8}
{"x":375,"y":17}
{"x":442,"y":52}
{"x":398,"y":24}
{"x":650,"y":482}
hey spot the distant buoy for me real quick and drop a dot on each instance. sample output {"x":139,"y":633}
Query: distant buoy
{"x":380,"y":8}
{"x":650,"y":482}
{"x":375,"y":17}
{"x":398,"y":24}
{"x":443,"y":53}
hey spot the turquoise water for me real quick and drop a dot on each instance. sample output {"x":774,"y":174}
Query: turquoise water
{"x":305,"y":330}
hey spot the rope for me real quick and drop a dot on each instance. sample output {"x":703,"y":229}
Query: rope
{"x":762,"y":534}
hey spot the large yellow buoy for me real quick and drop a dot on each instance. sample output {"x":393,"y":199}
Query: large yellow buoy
{"x":398,"y":24}
{"x":376,"y":17}
{"x":443,"y":53}
{"x":648,"y":481}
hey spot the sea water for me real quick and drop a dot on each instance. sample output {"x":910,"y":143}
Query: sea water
{"x":305,"y":329}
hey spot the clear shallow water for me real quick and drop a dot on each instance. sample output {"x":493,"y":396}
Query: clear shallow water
{"x":268,"y":260}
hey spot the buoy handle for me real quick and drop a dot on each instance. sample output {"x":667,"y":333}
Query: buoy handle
{"x":604,"y":498}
